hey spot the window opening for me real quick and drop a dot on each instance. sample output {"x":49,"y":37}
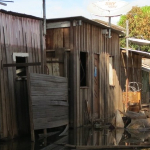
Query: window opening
{"x":21,"y":70}
{"x":83,"y":69}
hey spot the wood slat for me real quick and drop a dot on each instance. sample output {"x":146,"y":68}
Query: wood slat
{"x":49,"y":95}
{"x":43,"y":123}
{"x":49,"y":102}
{"x":47,"y":78}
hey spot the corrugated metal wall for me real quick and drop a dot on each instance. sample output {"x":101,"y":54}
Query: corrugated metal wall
{"x":19,"y":35}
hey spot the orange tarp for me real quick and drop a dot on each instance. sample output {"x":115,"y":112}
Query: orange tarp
{"x":132,"y":97}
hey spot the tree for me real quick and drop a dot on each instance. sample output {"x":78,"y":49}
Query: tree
{"x":139,"y":25}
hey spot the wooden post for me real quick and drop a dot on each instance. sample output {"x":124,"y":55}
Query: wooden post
{"x":109,"y":36}
{"x":30,"y":107}
{"x":44,"y":17}
{"x":45,"y":139}
{"x":65,"y":64}
{"x":127,"y":57}
{"x":42,"y":48}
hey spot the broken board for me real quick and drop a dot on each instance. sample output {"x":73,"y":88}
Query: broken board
{"x":48,"y":101}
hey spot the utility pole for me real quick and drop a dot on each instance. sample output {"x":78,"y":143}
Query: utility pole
{"x":43,"y":37}
{"x":127,"y":59}
{"x":109,"y":24}
{"x":44,"y":17}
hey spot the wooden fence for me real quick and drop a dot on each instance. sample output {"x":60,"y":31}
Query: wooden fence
{"x":49,"y":101}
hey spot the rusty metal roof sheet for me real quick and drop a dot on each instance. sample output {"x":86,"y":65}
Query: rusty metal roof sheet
{"x":96,"y":23}
{"x":142,"y":53}
{"x":20,"y":14}
{"x":119,"y":28}
{"x":99,"y":24}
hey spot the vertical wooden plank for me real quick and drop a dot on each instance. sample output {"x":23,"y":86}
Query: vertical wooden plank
{"x":4,"y":123}
{"x":96,"y":86}
{"x":65,"y":64}
{"x":30,"y":106}
{"x":74,"y":63}
{"x":11,"y":81}
{"x":50,"y":66}
{"x":80,"y":106}
{"x":37,"y":45}
{"x":77,"y":68}
{"x":42,"y":48}
{"x":72,"y":107}
{"x":55,"y":67}
{"x":6,"y":79}
{"x":39,"y":48}
{"x":66,"y":40}
{"x":92,"y":69}
{"x":100,"y":50}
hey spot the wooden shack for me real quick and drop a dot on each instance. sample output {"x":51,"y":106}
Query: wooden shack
{"x":146,"y":80}
{"x":80,"y":49}
{"x":138,"y":87}
{"x":21,"y":51}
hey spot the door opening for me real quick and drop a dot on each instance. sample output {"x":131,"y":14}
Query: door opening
{"x":21,"y":94}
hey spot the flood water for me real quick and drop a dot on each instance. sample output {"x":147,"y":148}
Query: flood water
{"x":82,"y":137}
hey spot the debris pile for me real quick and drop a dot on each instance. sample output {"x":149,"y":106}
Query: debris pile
{"x":131,"y":120}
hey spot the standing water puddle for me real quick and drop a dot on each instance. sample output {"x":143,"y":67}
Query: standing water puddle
{"x":84,"y":138}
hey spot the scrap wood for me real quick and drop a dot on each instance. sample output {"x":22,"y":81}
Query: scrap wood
{"x":117,"y":121}
{"x":136,"y":134}
{"x":65,"y":130}
{"x":90,"y":147}
{"x":41,"y":136}
{"x":134,"y":115}
{"x":147,"y":114}
{"x":139,"y":124}
{"x":88,"y":111}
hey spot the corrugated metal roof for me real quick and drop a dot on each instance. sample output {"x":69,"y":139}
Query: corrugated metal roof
{"x":103,"y":26}
{"x":100,"y":24}
{"x":146,"y":64}
{"x":139,"y":41}
{"x":145,"y":67}
{"x":142,"y":53}
{"x":20,"y":14}
{"x":119,"y":28}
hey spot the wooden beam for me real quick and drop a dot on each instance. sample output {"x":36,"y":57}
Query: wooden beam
{"x":21,"y":64}
{"x":52,"y":61}
{"x":52,"y":50}
{"x":63,"y":24}
{"x":104,"y":147}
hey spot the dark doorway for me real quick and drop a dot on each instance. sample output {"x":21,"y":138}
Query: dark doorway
{"x":22,"y":98}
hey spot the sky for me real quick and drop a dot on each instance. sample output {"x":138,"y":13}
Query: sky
{"x":61,"y":8}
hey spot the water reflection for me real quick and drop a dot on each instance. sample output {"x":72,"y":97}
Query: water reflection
{"x":81,"y":136}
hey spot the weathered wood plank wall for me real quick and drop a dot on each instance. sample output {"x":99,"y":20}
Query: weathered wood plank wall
{"x":134,"y":69}
{"x":49,"y":98}
{"x":93,"y":42}
{"x":17,"y":35}
{"x":145,"y":93}
{"x":89,"y":38}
